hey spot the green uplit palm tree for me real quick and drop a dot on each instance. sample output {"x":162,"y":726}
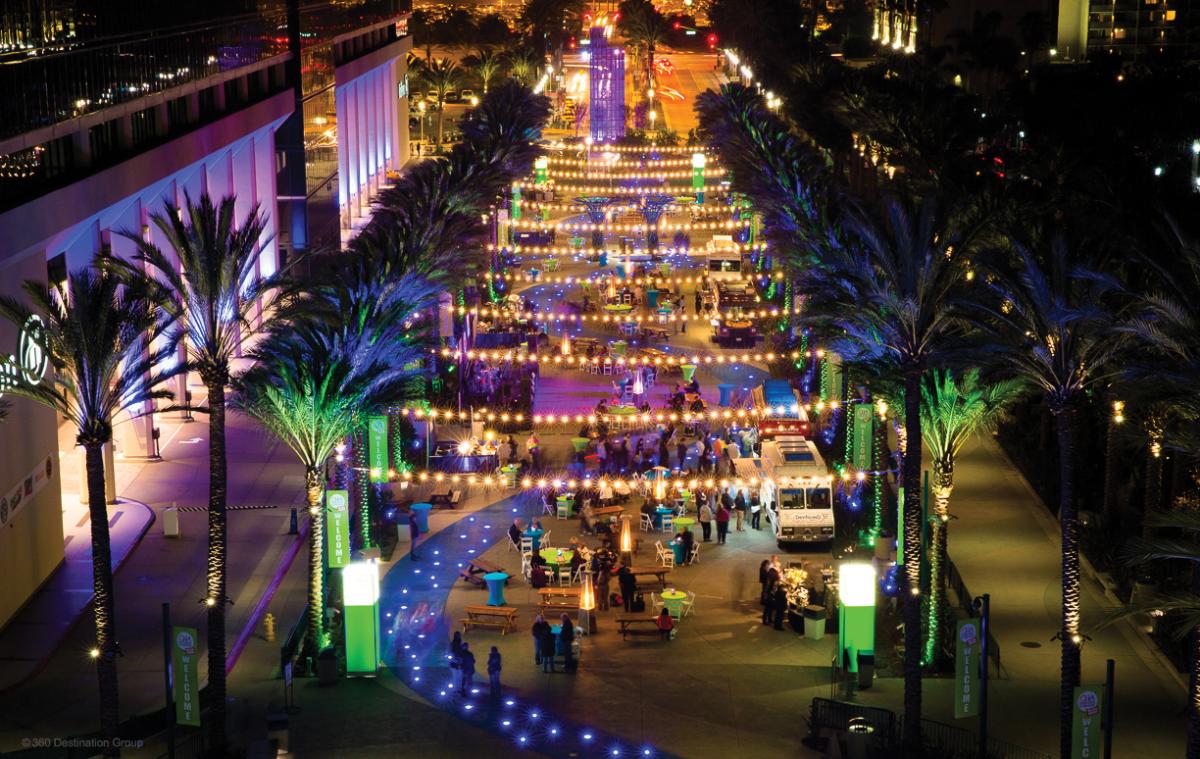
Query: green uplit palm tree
{"x":954,"y":407}
{"x":1052,"y":324}
{"x":442,"y":75}
{"x":487,"y":63}
{"x":98,"y":336}
{"x":209,"y":283}
{"x":524,"y":65}
{"x":886,"y":298}
{"x":316,"y":377}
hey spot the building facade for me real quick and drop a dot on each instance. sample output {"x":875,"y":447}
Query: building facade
{"x":96,"y":135}
{"x":1135,"y":30}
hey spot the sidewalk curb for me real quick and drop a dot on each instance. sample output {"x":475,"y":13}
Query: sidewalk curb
{"x":41,"y":663}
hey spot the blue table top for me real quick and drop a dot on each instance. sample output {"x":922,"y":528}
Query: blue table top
{"x":422,"y":506}
{"x":495,"y":576}
{"x":535,"y":533}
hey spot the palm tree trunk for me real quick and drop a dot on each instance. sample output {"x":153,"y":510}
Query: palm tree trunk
{"x":216,"y":562}
{"x":912,"y":561}
{"x":1154,"y":485}
{"x":104,"y":606}
{"x":943,"y":484}
{"x":441,"y":114}
{"x":1070,"y":577}
{"x":316,"y":560}
{"x":1110,"y":477}
{"x":1193,"y":735}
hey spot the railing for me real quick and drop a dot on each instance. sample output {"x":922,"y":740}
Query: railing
{"x":836,"y":715}
{"x":294,"y":642}
{"x":952,"y":742}
{"x":965,"y":600}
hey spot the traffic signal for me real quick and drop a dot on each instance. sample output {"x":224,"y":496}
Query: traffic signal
{"x":712,"y":42}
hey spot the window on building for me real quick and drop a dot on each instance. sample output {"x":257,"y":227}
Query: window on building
{"x":1169,"y":16}
{"x":142,"y":126}
{"x":208,"y":103}
{"x":177,"y":112}
{"x":1118,"y":34}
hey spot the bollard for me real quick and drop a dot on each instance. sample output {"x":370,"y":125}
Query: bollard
{"x":294,"y":527}
{"x":269,"y":625}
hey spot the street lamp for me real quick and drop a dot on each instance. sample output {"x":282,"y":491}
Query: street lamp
{"x":421,"y":109}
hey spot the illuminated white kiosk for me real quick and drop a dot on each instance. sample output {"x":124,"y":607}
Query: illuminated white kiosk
{"x":360,"y":591}
{"x":856,"y":613}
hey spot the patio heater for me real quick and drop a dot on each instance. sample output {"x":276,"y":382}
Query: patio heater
{"x":626,"y":541}
{"x":587,"y":603}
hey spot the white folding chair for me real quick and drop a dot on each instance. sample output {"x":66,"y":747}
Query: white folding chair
{"x":647,"y":524}
{"x":564,"y":574}
{"x":526,"y":544}
{"x":668,"y":524}
{"x":547,"y":509}
{"x":513,"y":545}
{"x":667,"y":557}
{"x":655,"y":600}
{"x":577,"y":577}
{"x":526,"y":565}
{"x":695,"y":557}
{"x":688,"y":604}
{"x":545,"y":538}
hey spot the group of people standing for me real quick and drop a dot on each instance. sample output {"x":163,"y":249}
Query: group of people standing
{"x":725,"y":508}
{"x":774,"y":598}
{"x":462,"y":659}
{"x":547,"y":645}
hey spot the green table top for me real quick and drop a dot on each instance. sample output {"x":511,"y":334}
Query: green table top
{"x":673,"y":595}
{"x":619,"y":308}
{"x":623,"y":410}
{"x":551,"y":555}
{"x":684,"y":521}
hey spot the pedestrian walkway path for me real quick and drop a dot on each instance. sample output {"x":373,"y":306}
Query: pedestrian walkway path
{"x":27,"y":642}
{"x":1006,"y":543}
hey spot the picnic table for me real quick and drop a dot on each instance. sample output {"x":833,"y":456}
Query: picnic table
{"x":561,"y":592}
{"x":483,"y":566}
{"x":659,"y":573}
{"x":561,"y":605}
{"x":603,"y":511}
{"x":502,"y":617}
{"x":627,"y":621}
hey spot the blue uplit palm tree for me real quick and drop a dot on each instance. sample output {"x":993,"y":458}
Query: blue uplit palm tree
{"x":209,"y":283}
{"x":99,"y":337}
{"x":1051,"y":322}
{"x":320,"y":372}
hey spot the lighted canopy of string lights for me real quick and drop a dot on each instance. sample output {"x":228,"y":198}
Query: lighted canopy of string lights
{"x":604,"y":189}
{"x":603,"y":161}
{"x":663,"y":224}
{"x":740,"y":314}
{"x":631,"y":483}
{"x":509,"y":356}
{"x":618,"y":208}
{"x":640,"y":149}
{"x":591,"y":280}
{"x":450,"y":416}
{"x":567,"y":250}
{"x":646,"y":173}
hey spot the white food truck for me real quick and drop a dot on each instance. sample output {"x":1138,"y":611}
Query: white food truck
{"x":795,"y":479}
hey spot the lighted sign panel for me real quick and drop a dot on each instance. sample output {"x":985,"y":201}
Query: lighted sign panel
{"x":337,"y":527}
{"x":185,"y":675}
{"x":606,"y":79}
{"x":360,"y":592}
{"x":856,"y":612}
{"x":377,"y":448}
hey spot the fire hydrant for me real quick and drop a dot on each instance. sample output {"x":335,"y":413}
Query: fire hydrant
{"x":269,"y":624}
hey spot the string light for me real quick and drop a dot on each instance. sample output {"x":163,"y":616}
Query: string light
{"x":661,"y":416}
{"x":697,"y":360}
{"x":600,"y":189}
{"x":622,"y":162}
{"x":620,"y":175}
{"x":601,"y":149}
{"x":551,"y":205}
{"x":736,"y":314}
{"x":571,"y":226}
{"x":592,"y":483}
{"x":567,"y":250}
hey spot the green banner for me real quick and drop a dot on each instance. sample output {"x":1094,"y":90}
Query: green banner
{"x":864,"y":420}
{"x":966,"y":668}
{"x":1086,"y":735}
{"x":185,"y":675}
{"x":337,"y":527}
{"x":516,"y":202}
{"x":377,"y":448}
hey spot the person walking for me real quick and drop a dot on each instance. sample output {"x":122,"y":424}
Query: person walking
{"x":699,"y":301}
{"x":768,"y":603}
{"x":740,"y":507}
{"x":602,"y":589}
{"x":762,"y":581}
{"x":540,"y":627}
{"x":722,"y":524}
{"x":628,"y":585}
{"x":664,"y":452}
{"x":534,"y":447}
{"x":414,"y":534}
{"x":681,"y":451}
{"x":755,"y":511}
{"x":466,"y":667}
{"x":705,"y":517}
{"x":493,"y":666}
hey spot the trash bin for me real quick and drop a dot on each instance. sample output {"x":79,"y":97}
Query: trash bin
{"x":814,"y":622}
{"x":866,"y":669}
{"x":603,"y":258}
{"x":327,"y":667}
{"x":277,"y":730}
{"x":858,"y":738}
{"x":170,"y":522}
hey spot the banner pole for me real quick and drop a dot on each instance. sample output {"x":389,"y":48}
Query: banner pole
{"x":985,"y":604}
{"x":170,"y":710}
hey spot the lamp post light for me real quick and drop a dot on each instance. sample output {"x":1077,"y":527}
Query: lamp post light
{"x":421,"y":109}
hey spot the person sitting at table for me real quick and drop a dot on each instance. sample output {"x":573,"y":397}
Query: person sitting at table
{"x":688,"y":541}
{"x":601,"y":407}
{"x":536,"y":560}
{"x":537,"y":575}
{"x":648,"y":508}
{"x":665,"y":623}
{"x":577,"y":560}
{"x":693,"y":386}
{"x":515,"y":532}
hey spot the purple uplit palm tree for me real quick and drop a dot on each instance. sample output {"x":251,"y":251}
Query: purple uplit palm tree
{"x":1052,"y":323}
{"x":98,"y":336}
{"x":209,"y":283}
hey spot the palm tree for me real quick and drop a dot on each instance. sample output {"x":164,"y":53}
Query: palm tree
{"x":886,"y":299}
{"x":317,"y":376}
{"x":488,"y":63}
{"x":210,"y":288}
{"x":1053,"y":326}
{"x":524,"y":65}
{"x":643,"y":26}
{"x":954,"y":407}
{"x":442,"y":75}
{"x":99,"y":337}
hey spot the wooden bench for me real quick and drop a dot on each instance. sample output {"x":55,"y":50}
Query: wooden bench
{"x":440,"y":494}
{"x":660,"y":573}
{"x":604,"y":511}
{"x":472,"y":577}
{"x":561,"y":605}
{"x":483,"y":566}
{"x":627,"y":621}
{"x":560,"y":592}
{"x":502,"y":617}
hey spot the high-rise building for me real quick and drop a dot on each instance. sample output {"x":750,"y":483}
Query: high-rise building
{"x":1141,"y":30}
{"x":111,"y":109}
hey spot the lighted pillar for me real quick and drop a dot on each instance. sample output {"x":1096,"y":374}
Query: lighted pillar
{"x":541,"y":168}
{"x":699,"y":160}
{"x":587,"y":602}
{"x":626,"y":540}
{"x":652,"y":211}
{"x":360,"y":590}
{"x":856,"y":613}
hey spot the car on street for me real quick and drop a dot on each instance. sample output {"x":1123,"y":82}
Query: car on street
{"x":466,"y":95}
{"x":452,"y":96}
